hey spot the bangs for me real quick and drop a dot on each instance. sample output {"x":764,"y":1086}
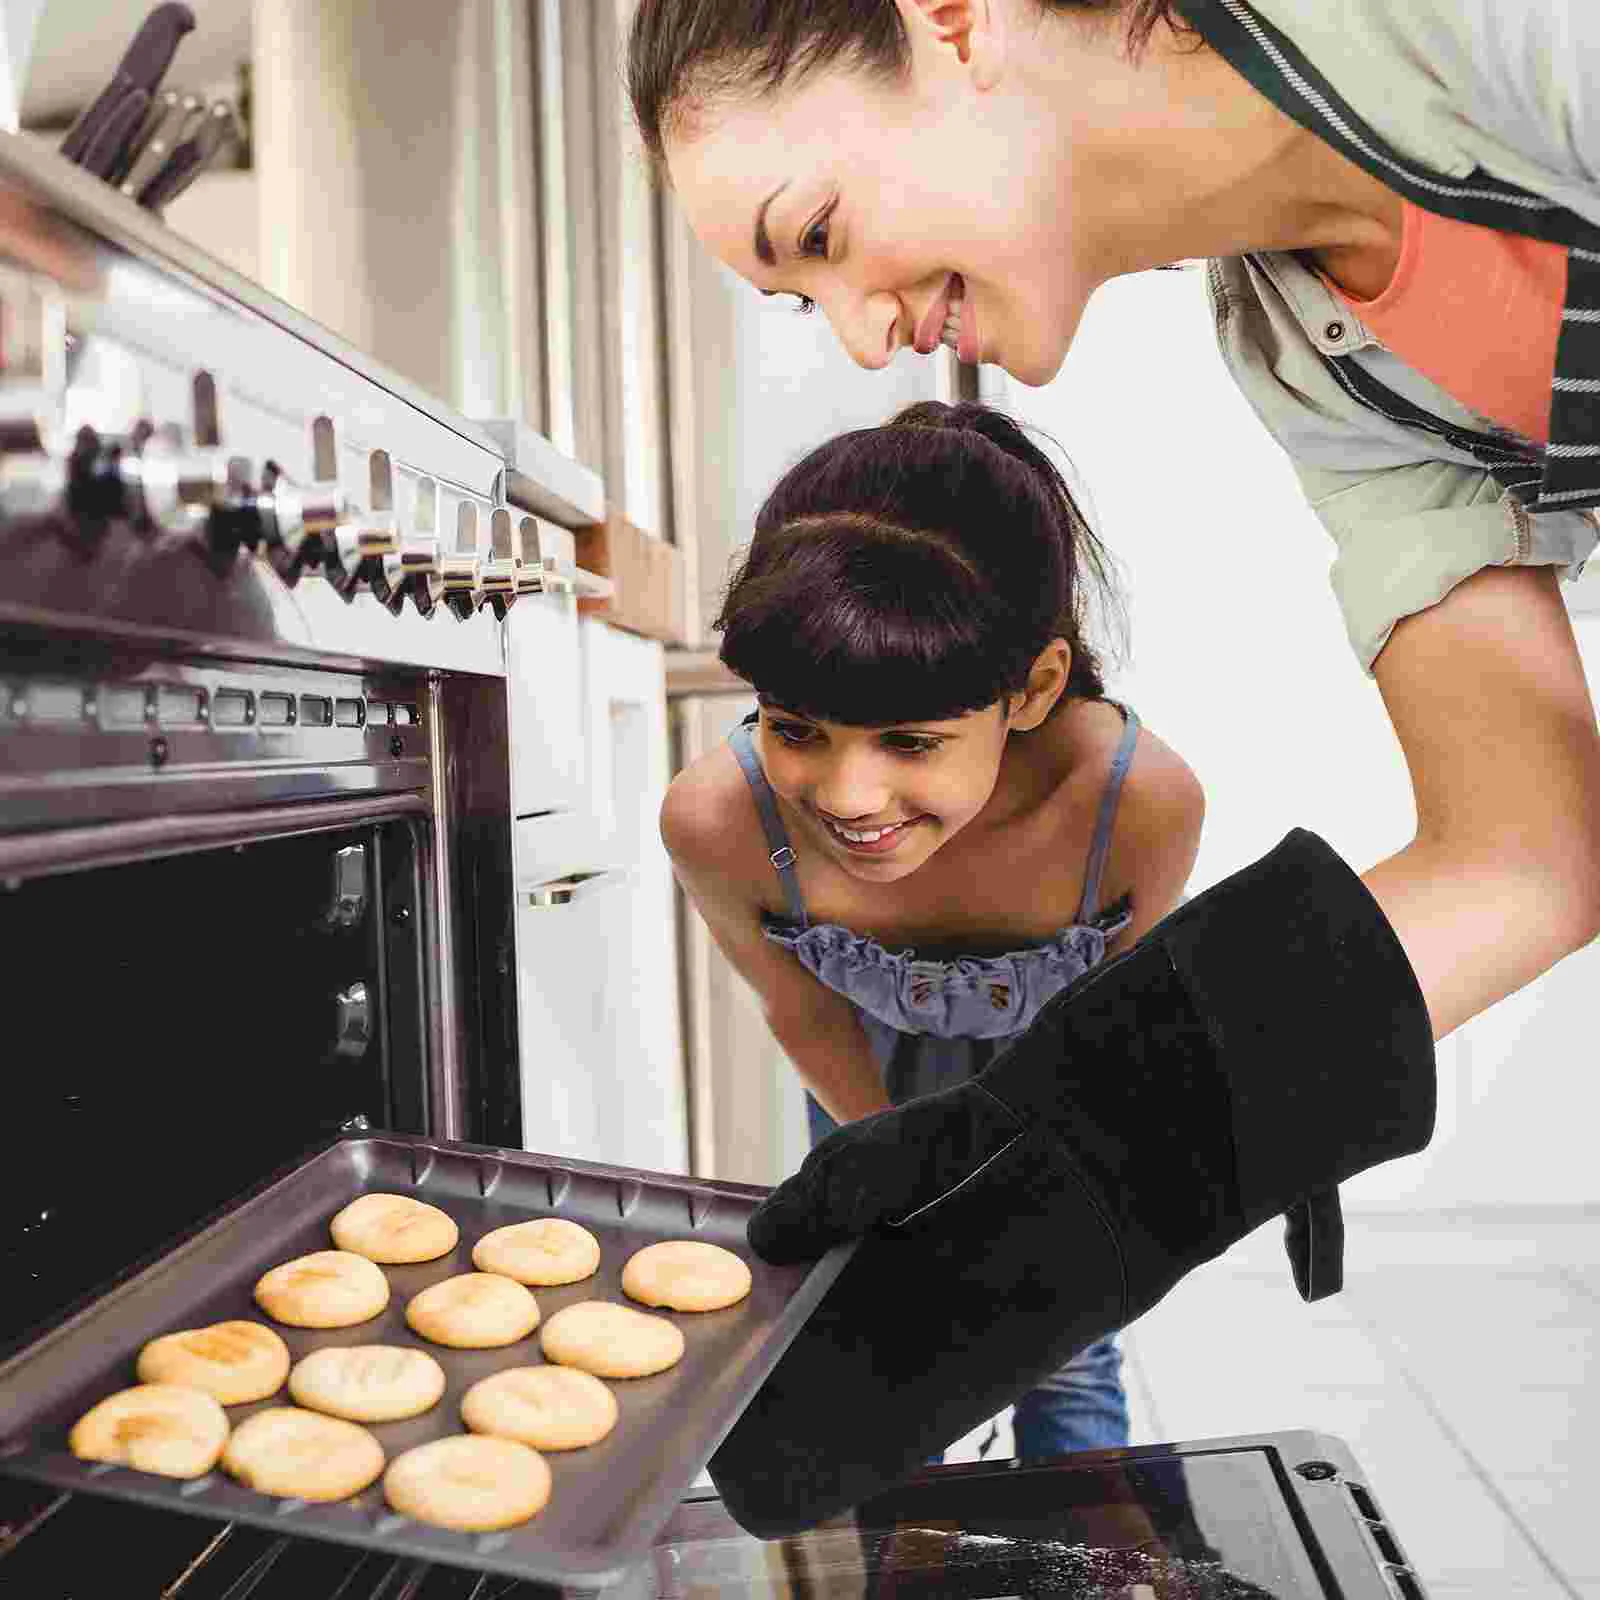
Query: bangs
{"x":869,"y":626}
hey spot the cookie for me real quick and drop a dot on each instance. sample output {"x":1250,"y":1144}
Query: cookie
{"x":546,"y":1252}
{"x":394,"y":1228}
{"x":550,"y":1408}
{"x":686,"y":1275}
{"x":367,"y":1382}
{"x":474,"y":1311}
{"x":233,"y":1362}
{"x":301,"y":1455}
{"x":156,"y":1427}
{"x":468,"y":1482}
{"x":327,"y":1289}
{"x":611,"y":1341}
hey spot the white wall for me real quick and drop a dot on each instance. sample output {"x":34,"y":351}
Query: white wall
{"x":1240,"y":662}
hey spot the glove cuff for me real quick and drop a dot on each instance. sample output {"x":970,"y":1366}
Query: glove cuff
{"x":1319,"y":1024}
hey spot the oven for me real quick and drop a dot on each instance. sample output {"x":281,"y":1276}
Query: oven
{"x":255,"y":823}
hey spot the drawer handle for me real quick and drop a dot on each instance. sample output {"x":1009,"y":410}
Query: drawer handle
{"x":563,"y":891}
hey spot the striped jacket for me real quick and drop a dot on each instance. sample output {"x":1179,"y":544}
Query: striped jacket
{"x":1481,"y":110}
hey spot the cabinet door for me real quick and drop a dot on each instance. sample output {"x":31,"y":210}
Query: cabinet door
{"x":549,"y":763}
{"x":602,"y":1058}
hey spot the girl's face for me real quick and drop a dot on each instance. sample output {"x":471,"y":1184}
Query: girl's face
{"x":880,"y":801}
{"x":938,"y":208}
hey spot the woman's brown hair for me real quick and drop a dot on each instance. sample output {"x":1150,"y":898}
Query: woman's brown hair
{"x":913,"y":572}
{"x":681,"y":52}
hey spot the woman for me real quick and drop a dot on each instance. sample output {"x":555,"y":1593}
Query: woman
{"x":1402,"y":211}
{"x":936,"y":821}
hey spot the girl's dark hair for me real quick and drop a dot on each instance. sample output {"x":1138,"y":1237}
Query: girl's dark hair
{"x":681,"y":52}
{"x":913,"y":572}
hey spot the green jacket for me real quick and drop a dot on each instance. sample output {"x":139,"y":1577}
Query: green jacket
{"x":1473,"y":109}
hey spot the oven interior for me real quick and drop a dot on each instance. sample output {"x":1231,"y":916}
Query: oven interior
{"x":198,"y":1021}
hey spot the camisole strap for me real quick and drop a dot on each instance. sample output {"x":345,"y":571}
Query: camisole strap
{"x":780,"y":851}
{"x":1100,"y":845}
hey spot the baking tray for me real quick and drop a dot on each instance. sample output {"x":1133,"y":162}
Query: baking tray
{"x":606,"y":1501}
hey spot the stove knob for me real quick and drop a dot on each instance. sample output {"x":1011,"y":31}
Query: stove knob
{"x":87,"y":480}
{"x":32,"y":485}
{"x":500,"y":573}
{"x":461,"y":569}
{"x":360,"y":545}
{"x":463,"y":588}
{"x":413,"y":572}
{"x":367,"y":540}
{"x":178,"y":491}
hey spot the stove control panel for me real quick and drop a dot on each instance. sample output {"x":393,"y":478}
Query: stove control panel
{"x":185,"y":461}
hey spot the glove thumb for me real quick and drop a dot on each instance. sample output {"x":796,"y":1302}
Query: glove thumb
{"x":881,"y":1173}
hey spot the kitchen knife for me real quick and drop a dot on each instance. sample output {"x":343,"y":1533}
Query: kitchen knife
{"x":107,"y":140}
{"x":217,"y":128}
{"x":181,"y":115}
{"x":143,"y":67}
{"x":160,"y":105}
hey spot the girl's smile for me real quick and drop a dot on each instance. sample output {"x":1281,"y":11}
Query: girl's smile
{"x":876,"y":840}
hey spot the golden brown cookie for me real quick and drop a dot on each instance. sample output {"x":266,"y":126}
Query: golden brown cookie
{"x":394,"y":1228}
{"x":301,"y":1455}
{"x":233,"y":1362}
{"x":545,"y":1252}
{"x":156,"y":1427}
{"x":367,"y":1382}
{"x":474,"y":1311}
{"x":468,"y":1482}
{"x":686,"y":1275}
{"x":327,"y":1289}
{"x":611,"y":1341}
{"x":550,"y":1408}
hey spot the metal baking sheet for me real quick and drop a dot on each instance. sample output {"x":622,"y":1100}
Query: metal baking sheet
{"x":606,"y":1502}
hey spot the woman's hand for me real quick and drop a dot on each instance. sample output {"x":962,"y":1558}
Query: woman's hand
{"x":1487,"y":694}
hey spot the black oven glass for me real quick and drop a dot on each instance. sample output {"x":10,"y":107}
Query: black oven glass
{"x":1196,"y":1527}
{"x":180,"y":1028}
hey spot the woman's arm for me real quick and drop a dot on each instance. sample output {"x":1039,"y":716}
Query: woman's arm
{"x":1487,"y":695}
{"x":816,"y":1027}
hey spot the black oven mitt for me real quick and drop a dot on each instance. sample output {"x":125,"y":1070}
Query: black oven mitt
{"x":1262,"y":1044}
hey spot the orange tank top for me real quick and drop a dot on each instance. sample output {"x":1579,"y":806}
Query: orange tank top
{"x":1476,"y":311}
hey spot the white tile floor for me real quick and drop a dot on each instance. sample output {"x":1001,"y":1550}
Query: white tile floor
{"x":1456,"y":1365}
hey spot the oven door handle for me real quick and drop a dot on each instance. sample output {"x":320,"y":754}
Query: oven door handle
{"x":576,"y":886}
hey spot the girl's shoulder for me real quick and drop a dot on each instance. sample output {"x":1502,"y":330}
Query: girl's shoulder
{"x":711,"y":827}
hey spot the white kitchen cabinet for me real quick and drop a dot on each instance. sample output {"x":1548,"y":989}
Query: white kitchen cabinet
{"x":602,"y":1056}
{"x":549,"y":761}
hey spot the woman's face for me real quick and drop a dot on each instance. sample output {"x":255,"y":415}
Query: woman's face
{"x":934,"y":208}
{"x":880,"y":801}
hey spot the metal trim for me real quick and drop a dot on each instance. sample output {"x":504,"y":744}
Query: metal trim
{"x":445,"y":1110}
{"x":33,"y":855}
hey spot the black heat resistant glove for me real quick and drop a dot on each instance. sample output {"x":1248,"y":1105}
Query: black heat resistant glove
{"x":1262,"y":1044}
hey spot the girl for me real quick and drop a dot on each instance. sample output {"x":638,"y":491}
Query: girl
{"x":936,"y":820}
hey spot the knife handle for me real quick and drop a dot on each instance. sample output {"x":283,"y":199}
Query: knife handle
{"x":160,"y":147}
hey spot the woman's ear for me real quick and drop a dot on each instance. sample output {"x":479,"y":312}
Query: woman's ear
{"x":1047,"y":682}
{"x":969,"y":33}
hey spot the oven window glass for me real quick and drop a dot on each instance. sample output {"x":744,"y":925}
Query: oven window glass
{"x":1196,"y":1527}
{"x":178,"y":1029}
